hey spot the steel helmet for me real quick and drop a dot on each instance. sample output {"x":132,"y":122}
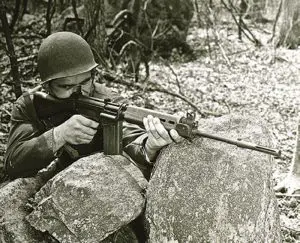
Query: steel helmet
{"x":64,"y":54}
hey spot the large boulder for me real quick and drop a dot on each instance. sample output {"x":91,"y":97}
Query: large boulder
{"x":13,"y":209}
{"x":210,"y":191}
{"x":91,"y":199}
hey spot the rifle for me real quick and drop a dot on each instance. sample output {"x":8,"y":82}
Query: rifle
{"x":112,"y":115}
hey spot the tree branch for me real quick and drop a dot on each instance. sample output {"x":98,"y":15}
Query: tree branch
{"x":156,"y":88}
{"x":174,"y":73}
{"x":76,"y":17}
{"x":242,"y":25}
{"x":276,"y":20}
{"x":11,"y":51}
{"x":15,"y":15}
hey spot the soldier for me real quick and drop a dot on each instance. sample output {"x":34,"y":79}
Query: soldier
{"x":65,"y":64}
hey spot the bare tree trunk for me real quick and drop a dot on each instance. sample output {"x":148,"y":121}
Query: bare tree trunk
{"x":95,"y":24}
{"x":49,"y":15}
{"x":10,"y":51}
{"x":74,"y":5}
{"x":289,"y":25}
{"x":296,"y":158}
{"x":24,"y":10}
{"x":15,"y":15}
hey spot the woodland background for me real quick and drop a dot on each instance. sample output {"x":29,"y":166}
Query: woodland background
{"x":230,"y":56}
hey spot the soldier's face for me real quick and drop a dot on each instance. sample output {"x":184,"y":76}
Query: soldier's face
{"x":64,"y":87}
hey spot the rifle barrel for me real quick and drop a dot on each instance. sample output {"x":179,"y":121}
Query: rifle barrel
{"x":239,"y":143}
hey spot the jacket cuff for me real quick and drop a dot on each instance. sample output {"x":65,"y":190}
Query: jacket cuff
{"x":50,"y":141}
{"x":136,"y":150}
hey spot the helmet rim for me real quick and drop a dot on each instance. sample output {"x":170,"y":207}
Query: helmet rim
{"x":64,"y":54}
{"x":54,"y":77}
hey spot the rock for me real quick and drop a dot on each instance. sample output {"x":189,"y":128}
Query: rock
{"x":209,"y":191}
{"x":123,"y":235}
{"x":89,"y":200}
{"x":13,"y":208}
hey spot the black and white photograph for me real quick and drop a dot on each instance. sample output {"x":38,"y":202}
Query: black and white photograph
{"x":149,"y":121}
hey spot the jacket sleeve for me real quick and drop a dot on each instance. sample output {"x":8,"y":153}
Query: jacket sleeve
{"x":29,"y":147}
{"x":134,"y":139}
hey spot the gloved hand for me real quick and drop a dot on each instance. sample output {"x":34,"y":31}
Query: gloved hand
{"x":158,"y":136}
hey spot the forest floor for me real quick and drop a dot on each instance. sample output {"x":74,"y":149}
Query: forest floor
{"x":227,"y":77}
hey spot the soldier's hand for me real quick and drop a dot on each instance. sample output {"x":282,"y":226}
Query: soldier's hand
{"x":77,"y":130}
{"x":158,"y":136}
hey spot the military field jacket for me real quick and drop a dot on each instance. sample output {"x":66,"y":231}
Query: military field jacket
{"x":29,"y":147}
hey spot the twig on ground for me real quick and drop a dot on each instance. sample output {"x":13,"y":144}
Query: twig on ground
{"x":283,"y":195}
{"x":288,"y":228}
{"x":222,"y":49}
{"x":238,"y":52}
{"x":23,"y":59}
{"x":175,"y":74}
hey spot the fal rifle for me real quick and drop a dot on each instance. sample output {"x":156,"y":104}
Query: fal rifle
{"x":111,"y":116}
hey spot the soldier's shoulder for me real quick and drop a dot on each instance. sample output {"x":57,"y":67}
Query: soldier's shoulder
{"x":27,"y":96}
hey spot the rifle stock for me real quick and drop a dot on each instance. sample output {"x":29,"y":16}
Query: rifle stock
{"x":112,"y":115}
